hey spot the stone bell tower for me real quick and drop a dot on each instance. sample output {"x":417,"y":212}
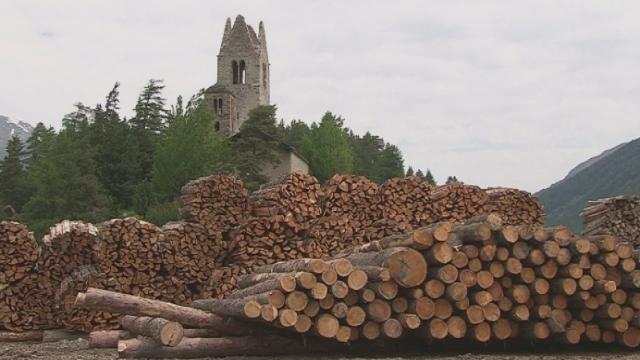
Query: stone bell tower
{"x":243,"y":75}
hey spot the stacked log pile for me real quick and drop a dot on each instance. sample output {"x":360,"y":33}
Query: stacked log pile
{"x":515,"y":206}
{"x":480,"y":281}
{"x":18,"y":251}
{"x":74,"y":318}
{"x":458,"y":202}
{"x":297,"y":195}
{"x":619,"y":216}
{"x":67,"y":246}
{"x":28,"y":303}
{"x":407,"y":200}
{"x":354,"y":198}
{"x":217,"y":202}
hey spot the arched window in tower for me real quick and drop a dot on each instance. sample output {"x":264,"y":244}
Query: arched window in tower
{"x":264,"y":75}
{"x":219,"y":106}
{"x":215,"y":105}
{"x":243,"y":73}
{"x":234,"y":71}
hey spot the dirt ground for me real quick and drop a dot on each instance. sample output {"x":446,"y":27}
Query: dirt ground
{"x":78,"y":350}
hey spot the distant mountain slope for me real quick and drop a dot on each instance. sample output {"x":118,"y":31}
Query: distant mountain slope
{"x":614,"y":172}
{"x":8,"y":129}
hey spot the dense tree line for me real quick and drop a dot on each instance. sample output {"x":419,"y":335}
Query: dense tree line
{"x":101,"y":165}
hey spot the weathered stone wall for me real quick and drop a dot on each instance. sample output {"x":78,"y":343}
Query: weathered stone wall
{"x":289,"y":162}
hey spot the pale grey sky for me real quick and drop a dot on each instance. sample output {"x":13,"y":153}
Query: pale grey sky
{"x":510,"y":93}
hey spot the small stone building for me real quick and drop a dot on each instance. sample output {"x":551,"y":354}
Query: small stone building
{"x":243,"y":84}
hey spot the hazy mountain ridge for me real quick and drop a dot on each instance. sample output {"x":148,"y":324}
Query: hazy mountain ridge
{"x":614,"y":172}
{"x":9,"y":129}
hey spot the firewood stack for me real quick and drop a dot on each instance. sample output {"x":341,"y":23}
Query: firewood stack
{"x":28,"y":303}
{"x":352,"y":197}
{"x":407,"y":200}
{"x":329,"y":235}
{"x":18,"y":251}
{"x":383,"y":228}
{"x":67,"y":246}
{"x":458,"y":202}
{"x":217,"y":202}
{"x":297,"y":195}
{"x":619,"y":216}
{"x":194,"y":255}
{"x":73,"y":318}
{"x":515,"y":206}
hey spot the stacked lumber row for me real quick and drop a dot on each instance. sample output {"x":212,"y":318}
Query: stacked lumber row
{"x":67,"y":246}
{"x":194,"y":254}
{"x":486,"y":281}
{"x":515,"y":206}
{"x":458,"y":202}
{"x":28,"y":303}
{"x":354,"y":198}
{"x":298,"y":195}
{"x":18,"y":251}
{"x":407,"y":200}
{"x":619,"y":216}
{"x":217,"y":202}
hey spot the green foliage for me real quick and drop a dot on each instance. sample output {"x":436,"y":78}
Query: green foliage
{"x":256,"y":145}
{"x":189,"y":148}
{"x":163,"y":213}
{"x":616,"y":174}
{"x":14,"y":186}
{"x":429,"y":178}
{"x":148,"y":123}
{"x":327,"y":148}
{"x":451,"y":180}
{"x":410,"y":172}
{"x":64,"y":180}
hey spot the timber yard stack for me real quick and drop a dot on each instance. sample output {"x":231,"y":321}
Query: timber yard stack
{"x":354,"y":198}
{"x":217,"y":202}
{"x":296,"y":195}
{"x":477,"y":282}
{"x":619,"y":216}
{"x":515,"y":206}
{"x":66,"y":247}
{"x":407,"y":200}
{"x":18,"y":251}
{"x":458,"y":202}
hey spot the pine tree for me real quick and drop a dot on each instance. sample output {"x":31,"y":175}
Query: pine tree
{"x":189,"y":148}
{"x":148,"y":122}
{"x":420,"y":174}
{"x":37,"y":142}
{"x":429,"y":178}
{"x":65,"y":185}
{"x":14,"y":186}
{"x":117,"y":151}
{"x":256,"y":145}
{"x":451,"y":180}
{"x":330,"y":152}
{"x":410,"y":171}
{"x":390,"y":165}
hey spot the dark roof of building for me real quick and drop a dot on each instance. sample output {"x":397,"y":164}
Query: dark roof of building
{"x":282,"y":144}
{"x":218,"y":88}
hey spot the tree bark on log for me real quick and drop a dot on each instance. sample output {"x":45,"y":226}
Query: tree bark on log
{"x":165,"y":332}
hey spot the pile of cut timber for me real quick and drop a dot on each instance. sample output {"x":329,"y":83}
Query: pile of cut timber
{"x":619,"y":216}
{"x":28,"y":303}
{"x":297,"y":195}
{"x":18,"y":251}
{"x":515,"y":206}
{"x":194,"y":255}
{"x":407,"y":200}
{"x":458,"y":202}
{"x":217,"y":202}
{"x":73,"y":318}
{"x":66,"y":247}
{"x":354,"y":198}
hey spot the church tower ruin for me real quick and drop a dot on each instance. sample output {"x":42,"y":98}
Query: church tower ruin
{"x":243,"y":75}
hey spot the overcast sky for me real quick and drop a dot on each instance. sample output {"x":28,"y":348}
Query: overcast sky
{"x":511,"y":93}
